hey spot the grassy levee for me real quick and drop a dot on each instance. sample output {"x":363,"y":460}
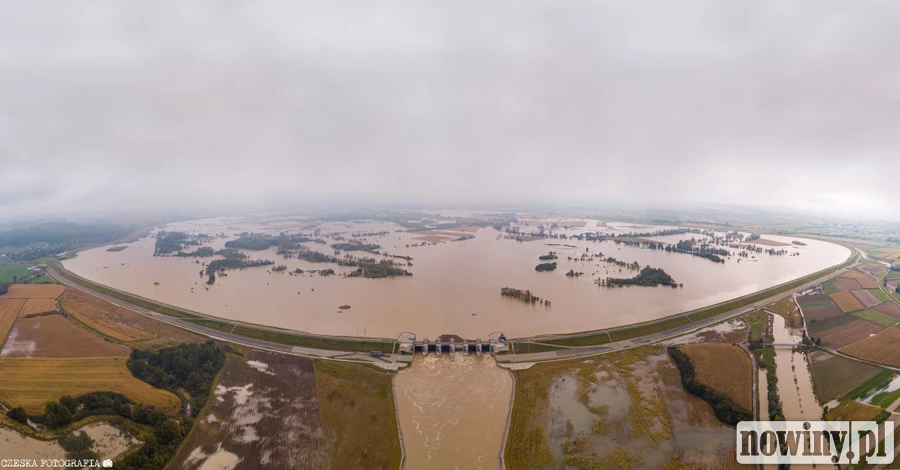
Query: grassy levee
{"x":525,"y":347}
{"x":657,"y":326}
{"x":235,"y":328}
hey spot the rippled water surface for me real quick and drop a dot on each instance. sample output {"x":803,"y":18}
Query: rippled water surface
{"x":453,"y":410}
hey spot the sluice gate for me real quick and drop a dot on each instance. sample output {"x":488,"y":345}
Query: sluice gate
{"x":452,"y":344}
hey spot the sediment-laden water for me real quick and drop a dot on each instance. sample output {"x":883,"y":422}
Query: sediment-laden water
{"x":453,"y":410}
{"x":455,"y":287}
{"x":794,"y":380}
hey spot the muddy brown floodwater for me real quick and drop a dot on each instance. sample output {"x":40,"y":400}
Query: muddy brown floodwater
{"x":795,"y":387}
{"x":453,"y":410}
{"x":455,"y":287}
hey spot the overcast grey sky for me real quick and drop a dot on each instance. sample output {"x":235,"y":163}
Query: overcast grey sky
{"x":108,"y":105}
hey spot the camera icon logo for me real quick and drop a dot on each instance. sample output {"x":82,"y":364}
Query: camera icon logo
{"x":107,"y":463}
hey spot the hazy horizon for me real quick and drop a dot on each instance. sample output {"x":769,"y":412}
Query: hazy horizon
{"x":109,"y":107}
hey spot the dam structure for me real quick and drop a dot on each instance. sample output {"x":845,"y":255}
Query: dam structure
{"x":496,"y":342}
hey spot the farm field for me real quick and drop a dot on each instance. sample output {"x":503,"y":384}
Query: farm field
{"x":888,"y":308}
{"x":846,"y":301}
{"x":877,"y":382}
{"x":838,"y":332}
{"x":359,"y":423}
{"x":9,"y":311}
{"x":852,"y":411}
{"x":10,"y":271}
{"x":813,"y":300}
{"x":842,"y":284}
{"x":881,"y":348}
{"x":265,"y":410}
{"x":866,"y":298}
{"x":120,"y":323}
{"x":884,"y":252}
{"x":834,"y":376}
{"x":621,"y":410}
{"x":33,"y":291}
{"x":54,"y":336}
{"x":880,"y":295}
{"x":31,"y":383}
{"x":875,"y":269}
{"x":876,"y":317}
{"x":35,"y":306}
{"x":724,"y":368}
{"x":821,"y":312}
{"x":866,"y":281}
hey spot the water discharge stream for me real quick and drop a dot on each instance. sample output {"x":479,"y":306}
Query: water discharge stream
{"x":453,"y":410}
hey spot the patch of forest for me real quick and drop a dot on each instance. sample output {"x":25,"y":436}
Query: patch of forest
{"x":543,"y":267}
{"x":381,"y":269}
{"x":168,"y":243}
{"x":355,"y":246}
{"x":51,"y":238}
{"x":549,"y":256}
{"x":190,"y":366}
{"x":263,"y":241}
{"x":726,"y":410}
{"x":649,"y":277}
{"x":524,"y":295}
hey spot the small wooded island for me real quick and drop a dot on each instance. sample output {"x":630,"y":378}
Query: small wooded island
{"x":650,"y":277}
{"x":545,"y":267}
{"x":523,"y":295}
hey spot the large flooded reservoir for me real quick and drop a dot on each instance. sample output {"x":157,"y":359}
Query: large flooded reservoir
{"x":457,"y":275}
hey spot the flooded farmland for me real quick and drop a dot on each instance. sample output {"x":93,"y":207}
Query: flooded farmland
{"x":278,"y":411}
{"x":623,"y":410}
{"x":453,"y":410}
{"x":456,"y":281}
{"x":264,"y":411}
{"x":109,"y":443}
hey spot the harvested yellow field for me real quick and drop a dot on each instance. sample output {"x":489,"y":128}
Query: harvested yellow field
{"x":34,"y":291}
{"x":31,"y":383}
{"x":9,"y":311}
{"x":33,"y":306}
{"x":724,"y":368}
{"x":109,"y":319}
{"x":866,"y":281}
{"x":880,"y":348}
{"x":846,"y":302}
